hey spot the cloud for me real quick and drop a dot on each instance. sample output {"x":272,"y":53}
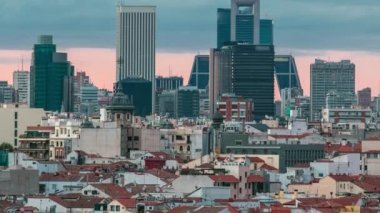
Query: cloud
{"x":190,"y":26}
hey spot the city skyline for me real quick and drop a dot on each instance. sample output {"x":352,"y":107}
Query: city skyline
{"x":98,"y":58}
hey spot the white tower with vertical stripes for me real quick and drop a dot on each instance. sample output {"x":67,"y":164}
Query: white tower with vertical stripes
{"x":136,"y":43}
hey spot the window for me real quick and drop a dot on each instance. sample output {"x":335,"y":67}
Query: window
{"x":246,"y":174}
{"x":16,"y":133}
{"x":240,"y":190}
{"x":188,"y":148}
{"x":117,"y":208}
{"x":113,"y":208}
{"x":61,"y":144}
{"x":16,"y":124}
{"x":16,"y":115}
{"x":238,"y":142}
{"x":136,"y":138}
{"x":239,"y":178}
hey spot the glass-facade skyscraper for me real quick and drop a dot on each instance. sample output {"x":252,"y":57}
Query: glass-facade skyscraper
{"x":286,"y":72}
{"x":199,"y":72}
{"x":327,"y":76}
{"x":51,"y":84}
{"x":244,"y":28}
{"x":247,"y":71}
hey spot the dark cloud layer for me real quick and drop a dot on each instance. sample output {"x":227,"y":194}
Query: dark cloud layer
{"x":191,"y":25}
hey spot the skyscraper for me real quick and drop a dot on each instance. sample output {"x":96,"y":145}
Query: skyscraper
{"x":51,"y":85}
{"x":21,"y":86}
{"x":364,"y":97}
{"x":244,"y":26}
{"x":186,"y":102}
{"x":135,"y":43}
{"x":199,"y":72}
{"x":247,"y":71}
{"x":286,"y":72}
{"x":168,"y":83}
{"x":327,"y":76}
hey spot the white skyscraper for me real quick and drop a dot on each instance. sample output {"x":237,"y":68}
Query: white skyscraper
{"x":136,"y":42}
{"x":21,"y":85}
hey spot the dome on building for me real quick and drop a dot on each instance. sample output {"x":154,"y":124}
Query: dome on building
{"x":120,"y":99}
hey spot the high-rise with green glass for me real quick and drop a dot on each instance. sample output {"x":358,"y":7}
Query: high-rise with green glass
{"x":51,"y":84}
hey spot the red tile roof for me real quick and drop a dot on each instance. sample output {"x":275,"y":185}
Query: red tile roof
{"x":128,"y":203}
{"x":113,"y":190}
{"x":200,"y":209}
{"x":61,"y":177}
{"x":224,"y":178}
{"x":343,"y":178}
{"x":255,"y":179}
{"x":268,"y":167}
{"x":75,"y":201}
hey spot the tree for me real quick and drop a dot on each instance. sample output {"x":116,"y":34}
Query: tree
{"x":6,"y":146}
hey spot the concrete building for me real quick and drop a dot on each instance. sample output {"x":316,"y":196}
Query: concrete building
{"x":370,"y":157}
{"x":364,"y":97}
{"x":326,"y":76}
{"x":166,"y":83}
{"x":18,"y":118}
{"x":336,"y":99}
{"x":204,"y":103}
{"x":342,"y":119}
{"x":348,"y":164}
{"x":80,"y":78}
{"x":21,"y":86}
{"x":166,"y":103}
{"x":35,"y":142}
{"x":61,"y":138}
{"x":136,"y":43}
{"x":289,"y":100}
{"x":235,"y":108}
{"x":18,"y":181}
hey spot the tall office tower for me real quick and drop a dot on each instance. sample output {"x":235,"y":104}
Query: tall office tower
{"x":247,"y":71}
{"x":326,"y":76}
{"x":187,"y":102}
{"x":51,"y":83}
{"x":80,"y":79}
{"x":136,"y":43}
{"x":139,"y":92}
{"x":166,"y":103}
{"x":236,"y":14}
{"x":286,"y":72}
{"x":199,"y":72}
{"x":168,"y":83}
{"x":7,"y":92}
{"x":21,"y":86}
{"x":364,"y":97}
{"x":244,"y":26}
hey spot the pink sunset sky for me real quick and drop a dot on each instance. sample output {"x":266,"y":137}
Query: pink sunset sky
{"x":99,"y":63}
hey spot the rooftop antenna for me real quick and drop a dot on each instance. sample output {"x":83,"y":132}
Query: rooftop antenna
{"x":22,"y":63}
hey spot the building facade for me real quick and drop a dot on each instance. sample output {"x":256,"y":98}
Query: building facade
{"x":235,"y":108}
{"x":187,"y":102}
{"x":17,"y":118}
{"x":51,"y":85}
{"x":199,"y":72}
{"x":364,"y":97}
{"x":326,"y":76}
{"x":21,"y":86}
{"x":136,"y":44}
{"x":247,"y":71}
{"x":7,"y":92}
{"x":139,"y":91}
{"x":286,"y":72}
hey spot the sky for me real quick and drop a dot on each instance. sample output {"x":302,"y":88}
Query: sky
{"x":324,"y":29}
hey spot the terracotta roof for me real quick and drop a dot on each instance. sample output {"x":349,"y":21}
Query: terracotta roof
{"x":60,"y":177}
{"x":345,"y":178}
{"x":128,"y":203}
{"x":255,"y":179}
{"x":40,"y":128}
{"x":113,"y":190}
{"x":164,"y":175}
{"x":268,"y":167}
{"x":224,"y":178}
{"x":347,"y":201}
{"x":198,"y":209}
{"x":75,"y":201}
